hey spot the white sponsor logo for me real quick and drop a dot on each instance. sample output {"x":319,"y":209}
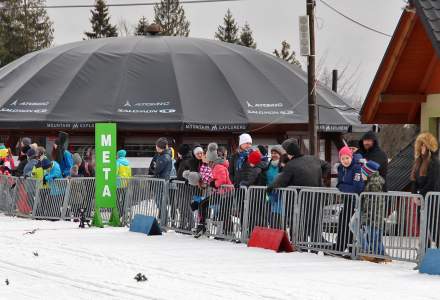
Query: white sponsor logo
{"x":147,"y":111}
{"x":264,"y":105}
{"x":270,"y":112}
{"x":23,"y":110}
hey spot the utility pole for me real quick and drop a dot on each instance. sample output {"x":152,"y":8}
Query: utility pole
{"x":313,"y":133}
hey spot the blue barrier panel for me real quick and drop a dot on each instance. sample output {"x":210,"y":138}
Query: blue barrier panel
{"x":431,"y":262}
{"x":145,"y":224}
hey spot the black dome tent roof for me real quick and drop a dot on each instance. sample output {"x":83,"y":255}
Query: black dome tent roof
{"x":160,"y":83}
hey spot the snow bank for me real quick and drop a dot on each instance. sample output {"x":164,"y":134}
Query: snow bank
{"x":91,"y":263}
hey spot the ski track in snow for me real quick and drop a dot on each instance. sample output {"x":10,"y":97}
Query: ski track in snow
{"x":88,"y":263}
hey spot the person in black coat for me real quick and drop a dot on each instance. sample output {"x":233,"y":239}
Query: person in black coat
{"x":425,"y":178}
{"x":252,"y":171}
{"x":301,"y":170}
{"x":184,"y":161}
{"x":370,"y":150}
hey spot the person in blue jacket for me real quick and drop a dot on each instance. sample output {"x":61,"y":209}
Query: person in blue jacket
{"x":51,"y":203}
{"x":349,"y":181}
{"x":349,"y":172}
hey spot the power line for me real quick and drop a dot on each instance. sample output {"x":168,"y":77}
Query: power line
{"x":128,"y":4}
{"x":353,"y":20}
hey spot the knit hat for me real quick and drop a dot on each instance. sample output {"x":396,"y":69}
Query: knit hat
{"x":211,"y":153}
{"x":184,"y":149}
{"x":345,"y":151}
{"x":287,"y":142}
{"x":244,"y":139}
{"x":278,"y":149}
{"x":31,"y":153}
{"x":26,"y":141}
{"x":46,"y":164}
{"x":77,"y":160}
{"x":293,"y":149}
{"x":192,"y":177}
{"x":162,"y":143}
{"x":122,"y":153}
{"x":197,"y":149}
{"x":262,"y":149}
{"x":369,"y":168}
{"x":254,"y":158}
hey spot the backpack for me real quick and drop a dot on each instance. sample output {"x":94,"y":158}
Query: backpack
{"x":375,"y":183}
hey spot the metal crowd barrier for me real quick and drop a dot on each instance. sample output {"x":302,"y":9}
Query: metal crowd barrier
{"x":141,"y":195}
{"x":80,"y":195}
{"x":322,"y":221}
{"x":389,"y":226}
{"x":430,"y":223}
{"x":50,"y":200}
{"x":274,"y":210}
{"x":179,"y":213}
{"x":394,"y":225}
{"x":223,"y":210}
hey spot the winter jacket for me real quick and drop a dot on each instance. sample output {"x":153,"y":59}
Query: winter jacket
{"x":272,"y":172}
{"x":350,"y":179}
{"x":373,"y":208}
{"x":220,"y":174}
{"x":66,"y":163}
{"x":56,"y":188}
{"x":123,"y":171}
{"x":205,"y":174}
{"x":429,"y":183}
{"x":304,"y":170}
{"x":182,"y":165}
{"x":20,"y":168}
{"x":162,"y":165}
{"x":375,"y":154}
{"x":237,"y":162}
{"x":27,"y":171}
{"x":248,"y":176}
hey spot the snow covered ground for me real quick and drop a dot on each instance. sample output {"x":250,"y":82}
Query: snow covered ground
{"x":91,"y":263}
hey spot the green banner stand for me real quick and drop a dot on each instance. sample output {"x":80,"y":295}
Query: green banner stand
{"x":105,"y":181}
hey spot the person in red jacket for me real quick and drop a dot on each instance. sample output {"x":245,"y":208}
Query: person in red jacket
{"x":221,"y":184}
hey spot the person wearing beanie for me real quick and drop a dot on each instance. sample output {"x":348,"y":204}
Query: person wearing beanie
{"x":123,"y":168}
{"x":273,"y":170}
{"x":183,"y":161}
{"x":370,"y":150}
{"x":301,"y":170}
{"x":22,"y":157}
{"x":239,"y":158}
{"x":349,"y":181}
{"x":31,"y":162}
{"x":252,"y":171}
{"x":197,"y":159}
{"x":161,"y":164}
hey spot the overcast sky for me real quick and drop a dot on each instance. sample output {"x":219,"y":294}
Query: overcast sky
{"x":339,"y":40}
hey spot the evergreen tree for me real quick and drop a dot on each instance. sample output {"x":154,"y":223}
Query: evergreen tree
{"x":286,"y":55}
{"x":170,"y":15}
{"x":246,"y":37}
{"x":100,"y":20}
{"x":228,"y":32}
{"x":141,"y":28}
{"x":24,"y":27}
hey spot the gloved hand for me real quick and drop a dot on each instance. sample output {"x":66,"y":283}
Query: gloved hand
{"x":2,"y":162}
{"x":212,"y":184}
{"x":44,"y":180}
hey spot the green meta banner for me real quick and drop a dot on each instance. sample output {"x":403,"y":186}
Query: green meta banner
{"x":105,"y":181}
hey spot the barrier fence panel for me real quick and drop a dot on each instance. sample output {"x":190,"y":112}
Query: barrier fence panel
{"x":7,"y":190}
{"x":223,"y":211}
{"x":430,"y":227}
{"x":274,"y":210}
{"x":49,"y":201}
{"x":323,"y":221}
{"x":80,"y":195}
{"x":389,"y":226}
{"x":181,"y":215}
{"x":143,"y":196}
{"x":24,"y":195}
